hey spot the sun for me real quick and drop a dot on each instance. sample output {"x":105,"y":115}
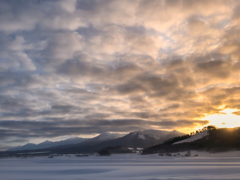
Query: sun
{"x":224,"y":120}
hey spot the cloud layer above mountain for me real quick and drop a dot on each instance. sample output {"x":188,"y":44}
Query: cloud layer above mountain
{"x":78,"y":67}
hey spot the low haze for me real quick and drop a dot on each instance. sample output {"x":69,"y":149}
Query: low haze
{"x":73,"y":68}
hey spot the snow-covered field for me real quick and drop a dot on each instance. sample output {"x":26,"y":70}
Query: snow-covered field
{"x":219,"y":166}
{"x":193,"y":138}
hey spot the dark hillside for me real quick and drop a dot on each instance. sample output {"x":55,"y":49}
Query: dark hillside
{"x":218,"y":140}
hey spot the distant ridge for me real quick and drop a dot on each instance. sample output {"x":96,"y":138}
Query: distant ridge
{"x":47,"y":144}
{"x":136,"y":139}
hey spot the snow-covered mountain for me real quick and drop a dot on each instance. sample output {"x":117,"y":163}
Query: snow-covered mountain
{"x":147,"y":138}
{"x":193,"y":138}
{"x":47,"y":144}
{"x":137,"y":139}
{"x":157,"y":134}
{"x":107,"y":136}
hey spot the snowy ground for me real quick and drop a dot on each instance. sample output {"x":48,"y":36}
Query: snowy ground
{"x":193,"y":138}
{"x":220,"y":166}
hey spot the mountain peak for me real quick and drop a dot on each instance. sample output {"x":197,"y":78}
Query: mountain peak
{"x":29,"y":144}
{"x":46,"y":142}
{"x":108,"y":136}
{"x":157,"y":134}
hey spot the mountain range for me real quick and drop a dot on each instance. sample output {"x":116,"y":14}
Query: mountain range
{"x":151,"y":141}
{"x":47,"y":144}
{"x":137,"y":139}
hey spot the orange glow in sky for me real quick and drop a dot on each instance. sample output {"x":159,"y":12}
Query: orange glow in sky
{"x":226,"y":120}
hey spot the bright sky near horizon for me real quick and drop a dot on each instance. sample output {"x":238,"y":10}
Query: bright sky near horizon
{"x":83,"y":67}
{"x":225,"y":119}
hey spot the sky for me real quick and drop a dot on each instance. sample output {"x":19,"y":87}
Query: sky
{"x":83,"y":67}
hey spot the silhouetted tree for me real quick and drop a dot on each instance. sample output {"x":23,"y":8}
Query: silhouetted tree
{"x":210,"y":128}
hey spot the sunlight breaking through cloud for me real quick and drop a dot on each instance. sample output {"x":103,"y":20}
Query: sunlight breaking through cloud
{"x":72,"y":68}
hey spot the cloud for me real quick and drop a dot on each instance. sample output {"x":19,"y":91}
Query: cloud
{"x":19,"y":15}
{"x":215,"y":68}
{"x":34,"y":129}
{"x":85,"y":67}
{"x":236,"y":113}
{"x":14,"y":56}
